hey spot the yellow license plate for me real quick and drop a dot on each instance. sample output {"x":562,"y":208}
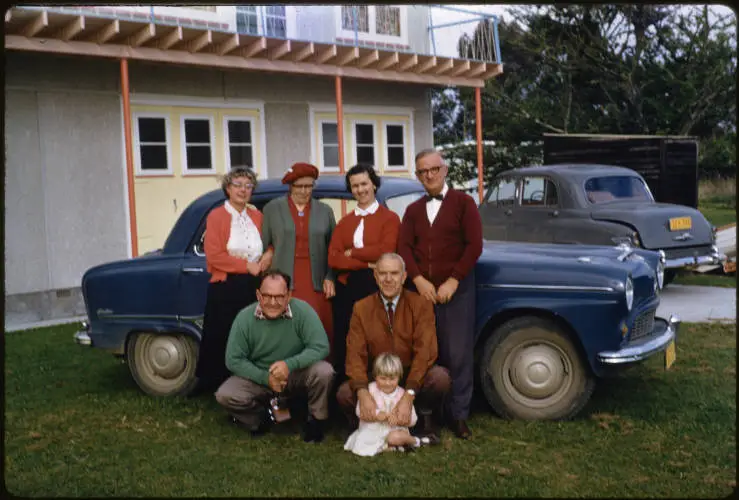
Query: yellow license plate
{"x":680,"y":223}
{"x":670,"y":355}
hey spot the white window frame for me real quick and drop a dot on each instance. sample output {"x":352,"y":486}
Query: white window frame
{"x":354,"y":124}
{"x":406,"y":146}
{"x":372,"y":36}
{"x":227,"y":139}
{"x":321,"y":164}
{"x":262,"y":16}
{"x":137,"y":143}
{"x":212,"y":144}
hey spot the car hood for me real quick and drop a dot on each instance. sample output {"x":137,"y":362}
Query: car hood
{"x":652,"y":221}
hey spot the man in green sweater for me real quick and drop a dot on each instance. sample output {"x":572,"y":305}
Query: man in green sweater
{"x":276,"y":347}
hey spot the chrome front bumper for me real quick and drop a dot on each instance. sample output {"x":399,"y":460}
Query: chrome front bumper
{"x":643,"y":350}
{"x":715,"y":257}
{"x":82,"y":337}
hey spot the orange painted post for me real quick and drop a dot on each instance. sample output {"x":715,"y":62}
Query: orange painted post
{"x":478,"y":126}
{"x":340,"y":133}
{"x":129,"y":157}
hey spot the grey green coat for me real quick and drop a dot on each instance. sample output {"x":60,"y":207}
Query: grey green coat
{"x":278,"y":230}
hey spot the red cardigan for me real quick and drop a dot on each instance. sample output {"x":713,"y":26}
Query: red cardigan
{"x":217,"y":232}
{"x":380,"y":236}
{"x":449,"y":248}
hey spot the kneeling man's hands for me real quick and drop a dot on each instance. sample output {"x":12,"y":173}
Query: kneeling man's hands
{"x":367,"y":406}
{"x":280,"y":370}
{"x":276,"y":384}
{"x":401,"y":414}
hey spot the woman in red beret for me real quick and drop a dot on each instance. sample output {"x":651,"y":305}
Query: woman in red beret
{"x":299,"y":227}
{"x":359,"y":239}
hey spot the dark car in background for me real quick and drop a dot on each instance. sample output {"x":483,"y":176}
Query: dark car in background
{"x":550,"y":319}
{"x":595,"y":205}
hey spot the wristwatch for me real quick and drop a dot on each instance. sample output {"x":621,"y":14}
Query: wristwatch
{"x":411,"y":392}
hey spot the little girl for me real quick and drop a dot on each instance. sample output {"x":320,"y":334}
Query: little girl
{"x":374,"y":437}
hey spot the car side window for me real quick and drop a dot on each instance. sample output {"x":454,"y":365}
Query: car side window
{"x":538,"y":192}
{"x":504,"y":192}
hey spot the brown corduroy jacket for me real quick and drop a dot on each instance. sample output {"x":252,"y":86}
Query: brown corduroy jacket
{"x":412,"y":338}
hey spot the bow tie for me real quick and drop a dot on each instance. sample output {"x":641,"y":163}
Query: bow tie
{"x":430,"y":197}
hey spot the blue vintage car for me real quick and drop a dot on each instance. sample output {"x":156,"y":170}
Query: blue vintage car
{"x":551,"y":319}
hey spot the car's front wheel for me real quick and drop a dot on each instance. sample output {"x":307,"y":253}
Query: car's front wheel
{"x":530,"y":370}
{"x":163,"y":364}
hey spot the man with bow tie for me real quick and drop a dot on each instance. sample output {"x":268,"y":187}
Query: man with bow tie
{"x":440,"y":240}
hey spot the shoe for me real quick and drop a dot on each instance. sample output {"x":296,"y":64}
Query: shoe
{"x":261,"y":429}
{"x":312,"y":430}
{"x":460,"y":429}
{"x":425,"y":425}
{"x":429,"y":440}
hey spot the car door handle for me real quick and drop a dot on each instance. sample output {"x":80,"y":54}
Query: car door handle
{"x":191,"y":270}
{"x":508,"y":212}
{"x":554,"y":213}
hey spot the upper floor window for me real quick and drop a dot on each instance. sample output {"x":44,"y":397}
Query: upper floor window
{"x":381,"y":23}
{"x":266,"y":20}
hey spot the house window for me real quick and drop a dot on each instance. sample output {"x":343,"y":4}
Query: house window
{"x":350,"y":12}
{"x":387,"y":20}
{"x":330,"y":145}
{"x":239,"y":143}
{"x":373,"y":23}
{"x":364,"y":142}
{"x":152,"y":141}
{"x":247,"y":20}
{"x":198,"y":144}
{"x":268,"y":20}
{"x":395,"y":146}
{"x":275,"y":21}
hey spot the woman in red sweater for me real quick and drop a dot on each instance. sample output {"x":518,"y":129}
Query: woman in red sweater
{"x":359,"y":239}
{"x":233,"y":249}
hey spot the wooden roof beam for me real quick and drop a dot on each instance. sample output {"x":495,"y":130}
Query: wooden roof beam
{"x":425,"y":66}
{"x":72,"y":29}
{"x":142,"y":36}
{"x":254,"y":48}
{"x":491,"y":72}
{"x":444,"y":67}
{"x":348,"y":56}
{"x":305,"y":52}
{"x":368,"y":59}
{"x":479,"y":68}
{"x":39,"y":22}
{"x":390,"y":60}
{"x":170,"y":38}
{"x":327,"y":54}
{"x":200,"y":42}
{"x":228,"y":45}
{"x":280,"y":51}
{"x":106,"y":32}
{"x":408,"y":63}
{"x":460,"y":67}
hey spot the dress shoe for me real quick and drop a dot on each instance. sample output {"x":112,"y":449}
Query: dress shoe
{"x":460,"y":429}
{"x":425,"y":425}
{"x":312,"y":430}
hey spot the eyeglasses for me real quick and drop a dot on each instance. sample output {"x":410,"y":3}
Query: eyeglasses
{"x":272,"y":298}
{"x":303,"y":186}
{"x":239,"y":185}
{"x":428,"y":171}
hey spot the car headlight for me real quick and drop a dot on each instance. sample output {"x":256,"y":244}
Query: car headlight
{"x":660,"y":274}
{"x":629,"y":292}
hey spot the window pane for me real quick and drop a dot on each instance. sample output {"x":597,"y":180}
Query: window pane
{"x":505,"y":192}
{"x":276,"y":27}
{"x":152,"y":130}
{"x":239,"y":131}
{"x":331,"y":156}
{"x":365,"y":134}
{"x":198,"y":157}
{"x":247,"y":9}
{"x":387,"y":20}
{"x":533,"y":191}
{"x":330,"y":133}
{"x":197,"y":131}
{"x":153,"y":157}
{"x":395,"y":134}
{"x":347,"y":17}
{"x":246,"y":23}
{"x":395,"y":156}
{"x":551,"y":194}
{"x":366,"y":154}
{"x":241,"y":156}
{"x":276,"y":10}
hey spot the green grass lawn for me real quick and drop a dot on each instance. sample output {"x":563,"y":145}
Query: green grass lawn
{"x":76,"y":425}
{"x":719,"y":210}
{"x":705,"y":279}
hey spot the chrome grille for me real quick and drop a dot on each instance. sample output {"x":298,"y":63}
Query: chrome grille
{"x":643,"y":325}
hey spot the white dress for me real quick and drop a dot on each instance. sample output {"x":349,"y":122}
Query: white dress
{"x":369,"y":438}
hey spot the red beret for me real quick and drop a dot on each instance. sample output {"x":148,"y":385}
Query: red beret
{"x":299,"y":170}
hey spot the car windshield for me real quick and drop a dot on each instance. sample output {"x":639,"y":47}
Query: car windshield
{"x":398,"y":204}
{"x":616,"y":188}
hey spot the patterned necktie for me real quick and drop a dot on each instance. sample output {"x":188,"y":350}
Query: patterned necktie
{"x":390,"y":314}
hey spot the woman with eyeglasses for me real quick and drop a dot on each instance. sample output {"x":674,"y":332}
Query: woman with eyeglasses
{"x":299,"y":227}
{"x":234,"y":258}
{"x":360,"y":238}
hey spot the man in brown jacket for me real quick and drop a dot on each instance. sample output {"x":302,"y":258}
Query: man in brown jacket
{"x":402,"y":322}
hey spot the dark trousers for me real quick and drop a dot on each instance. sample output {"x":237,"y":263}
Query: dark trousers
{"x":359,"y":285}
{"x":225,"y":300}
{"x":455,"y":333}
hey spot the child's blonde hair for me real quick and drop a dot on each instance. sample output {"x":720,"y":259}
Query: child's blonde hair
{"x":387,"y":364}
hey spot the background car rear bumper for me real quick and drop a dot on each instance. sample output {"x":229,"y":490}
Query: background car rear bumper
{"x":715,"y":257}
{"x":665,"y":331}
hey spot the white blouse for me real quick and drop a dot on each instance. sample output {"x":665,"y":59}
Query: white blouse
{"x":359,"y":232}
{"x":244,"y":241}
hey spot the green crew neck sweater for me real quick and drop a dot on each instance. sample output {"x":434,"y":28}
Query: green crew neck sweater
{"x":254,"y":344}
